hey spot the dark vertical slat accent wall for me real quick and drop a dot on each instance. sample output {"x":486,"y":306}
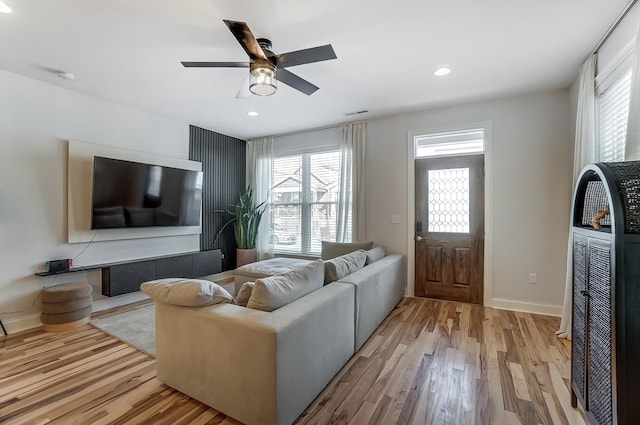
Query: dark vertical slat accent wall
{"x":223,"y":163}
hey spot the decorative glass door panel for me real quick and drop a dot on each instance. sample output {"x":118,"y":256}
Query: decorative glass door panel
{"x":449,"y":200}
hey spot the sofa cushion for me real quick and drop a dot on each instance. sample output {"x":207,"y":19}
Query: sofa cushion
{"x":186,"y":292}
{"x":265,"y":268}
{"x":243,"y":295}
{"x":339,"y":267}
{"x":374,"y":254}
{"x":271,"y":293}
{"x":335,"y":249}
{"x":270,"y":267}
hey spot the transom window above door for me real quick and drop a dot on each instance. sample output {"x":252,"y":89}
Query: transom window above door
{"x":450,"y":143}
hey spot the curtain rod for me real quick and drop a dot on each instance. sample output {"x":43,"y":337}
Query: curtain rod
{"x":613,"y":27}
{"x":327,"y":127}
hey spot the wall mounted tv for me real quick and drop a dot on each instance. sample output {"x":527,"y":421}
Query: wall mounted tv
{"x":133,"y":194}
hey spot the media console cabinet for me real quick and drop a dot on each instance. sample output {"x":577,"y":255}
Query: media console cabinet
{"x":126,"y":276}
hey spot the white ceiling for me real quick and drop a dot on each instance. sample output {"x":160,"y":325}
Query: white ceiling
{"x":129,"y":52}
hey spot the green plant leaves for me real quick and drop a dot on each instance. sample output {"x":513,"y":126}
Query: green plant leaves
{"x":246,"y":216}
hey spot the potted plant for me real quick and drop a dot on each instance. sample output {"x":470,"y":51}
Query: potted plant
{"x":245,"y":216}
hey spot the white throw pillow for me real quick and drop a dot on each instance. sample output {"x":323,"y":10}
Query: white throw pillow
{"x":243,"y":295}
{"x":186,"y":292}
{"x":374,"y":254}
{"x":339,"y":267}
{"x":271,"y":293}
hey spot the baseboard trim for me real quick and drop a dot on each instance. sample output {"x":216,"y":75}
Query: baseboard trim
{"x":23,"y":323}
{"x":545,"y":309}
{"x":31,"y":321}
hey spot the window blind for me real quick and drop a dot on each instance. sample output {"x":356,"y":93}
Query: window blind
{"x":613,"y":115}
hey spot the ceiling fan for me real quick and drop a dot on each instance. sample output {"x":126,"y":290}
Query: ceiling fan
{"x":266,"y":67}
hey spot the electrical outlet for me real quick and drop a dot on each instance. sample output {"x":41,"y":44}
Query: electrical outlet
{"x":395,"y":219}
{"x":533,"y":278}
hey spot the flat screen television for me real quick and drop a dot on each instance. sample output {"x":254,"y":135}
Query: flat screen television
{"x":134,"y":194}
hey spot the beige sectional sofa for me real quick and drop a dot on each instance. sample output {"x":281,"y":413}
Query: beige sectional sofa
{"x":379,"y":288}
{"x":265,"y":368}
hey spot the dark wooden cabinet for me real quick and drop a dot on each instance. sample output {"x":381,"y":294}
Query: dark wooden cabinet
{"x":605,"y":362}
{"x":126,"y":276}
{"x":122,"y":278}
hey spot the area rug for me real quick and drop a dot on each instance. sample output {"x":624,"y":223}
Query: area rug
{"x":136,"y":327}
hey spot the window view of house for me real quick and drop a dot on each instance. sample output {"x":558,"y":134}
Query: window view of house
{"x":304,"y":200}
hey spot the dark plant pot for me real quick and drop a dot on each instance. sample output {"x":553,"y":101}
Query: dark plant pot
{"x":245,"y":256}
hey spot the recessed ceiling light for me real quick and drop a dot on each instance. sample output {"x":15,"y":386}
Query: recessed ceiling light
{"x":253,"y":113}
{"x":441,"y":72}
{"x":4,"y":7}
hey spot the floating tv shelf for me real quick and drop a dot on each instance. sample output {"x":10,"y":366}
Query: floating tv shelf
{"x":126,"y":276}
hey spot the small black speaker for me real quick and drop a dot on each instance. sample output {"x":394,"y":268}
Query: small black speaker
{"x":55,"y":266}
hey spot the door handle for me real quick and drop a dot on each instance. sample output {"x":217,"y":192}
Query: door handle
{"x":585,"y":293}
{"x":419,"y":238}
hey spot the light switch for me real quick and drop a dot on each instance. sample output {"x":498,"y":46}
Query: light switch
{"x":395,"y":219}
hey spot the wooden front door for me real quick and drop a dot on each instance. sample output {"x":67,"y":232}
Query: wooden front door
{"x":449,"y":243}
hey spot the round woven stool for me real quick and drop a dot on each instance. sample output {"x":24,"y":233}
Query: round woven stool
{"x":65,"y":306}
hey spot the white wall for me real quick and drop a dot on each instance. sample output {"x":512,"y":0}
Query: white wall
{"x":531,"y":194}
{"x":36,"y":121}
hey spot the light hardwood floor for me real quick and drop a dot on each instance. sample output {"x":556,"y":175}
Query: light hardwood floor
{"x":430,"y":362}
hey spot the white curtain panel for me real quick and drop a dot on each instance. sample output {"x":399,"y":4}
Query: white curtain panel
{"x":351,"y":198}
{"x":259,"y":167}
{"x":632,"y":143}
{"x":583,"y":154}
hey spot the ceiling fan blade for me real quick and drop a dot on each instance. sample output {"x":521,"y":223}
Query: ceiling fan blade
{"x":215,"y":64}
{"x":244,"y":92}
{"x":300,"y":57}
{"x":292,"y":80}
{"x":242,"y":33}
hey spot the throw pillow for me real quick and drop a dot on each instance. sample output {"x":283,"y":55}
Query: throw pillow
{"x":186,"y":292}
{"x":271,"y":293}
{"x":339,"y":267}
{"x":335,"y":249}
{"x":243,"y":295}
{"x":374,"y":254}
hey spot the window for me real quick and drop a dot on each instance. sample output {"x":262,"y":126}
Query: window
{"x":304,"y":200}
{"x":451,"y":143}
{"x":613,"y":115}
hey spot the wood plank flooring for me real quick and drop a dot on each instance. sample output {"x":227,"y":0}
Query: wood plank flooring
{"x":430,"y":362}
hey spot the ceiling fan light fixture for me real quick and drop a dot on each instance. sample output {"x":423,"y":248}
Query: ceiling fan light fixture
{"x":262,"y":78}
